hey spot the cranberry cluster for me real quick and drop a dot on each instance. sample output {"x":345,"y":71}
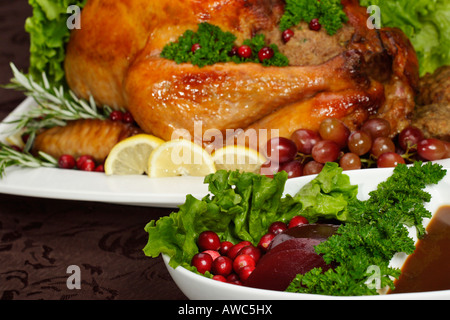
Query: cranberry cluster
{"x":84,"y":163}
{"x":234,"y":263}
{"x":125,"y":117}
{"x":244,"y":51}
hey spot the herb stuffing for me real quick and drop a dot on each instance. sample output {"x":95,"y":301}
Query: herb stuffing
{"x":330,"y":14}
{"x":241,"y":206}
{"x":210,"y":45}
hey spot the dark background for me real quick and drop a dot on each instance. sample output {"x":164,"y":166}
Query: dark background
{"x":41,"y":238}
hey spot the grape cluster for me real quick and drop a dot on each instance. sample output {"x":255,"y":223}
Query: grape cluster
{"x":307,"y":151}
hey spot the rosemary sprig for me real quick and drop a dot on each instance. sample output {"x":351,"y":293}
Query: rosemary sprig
{"x":55,"y":105}
{"x":11,"y":157}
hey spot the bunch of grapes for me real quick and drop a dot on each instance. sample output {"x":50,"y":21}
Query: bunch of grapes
{"x":371,"y":146}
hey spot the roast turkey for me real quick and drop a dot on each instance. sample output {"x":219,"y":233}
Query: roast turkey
{"x":354,"y":75}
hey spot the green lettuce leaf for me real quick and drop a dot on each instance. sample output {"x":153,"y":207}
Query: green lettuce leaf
{"x":425,"y":22}
{"x":48,"y":37}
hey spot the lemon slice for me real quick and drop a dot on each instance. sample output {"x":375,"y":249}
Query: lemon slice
{"x":180,"y":157}
{"x":238,"y":158}
{"x":16,"y":140}
{"x":130,"y":156}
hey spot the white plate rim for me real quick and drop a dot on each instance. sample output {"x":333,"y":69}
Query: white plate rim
{"x":76,"y":185}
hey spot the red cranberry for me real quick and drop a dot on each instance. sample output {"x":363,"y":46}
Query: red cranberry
{"x":202,"y":261}
{"x":225,"y":246}
{"x":100,"y":168}
{"x":244,"y":51}
{"x":252,"y":251}
{"x":116,"y":115}
{"x":66,"y":161}
{"x":222,"y":266}
{"x":128,"y":117}
{"x":315,"y":25}
{"x":234,"y":51}
{"x":297,"y":221}
{"x":265,"y":53}
{"x":220,"y":278}
{"x":265,"y":241}
{"x":287,"y":35}
{"x":242,"y":261}
{"x":213,"y":253}
{"x":195,"y":47}
{"x":83,"y":159}
{"x":88,"y":165}
{"x":234,"y":250}
{"x":246,"y":272}
{"x":277,"y":227}
{"x":232,"y":277}
{"x":208,"y":240}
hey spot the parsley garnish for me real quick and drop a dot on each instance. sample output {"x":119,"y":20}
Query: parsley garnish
{"x":329,"y":12}
{"x":377,"y":230}
{"x":216,"y":46}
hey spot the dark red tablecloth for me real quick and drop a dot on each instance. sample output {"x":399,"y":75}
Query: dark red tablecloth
{"x":41,"y":238}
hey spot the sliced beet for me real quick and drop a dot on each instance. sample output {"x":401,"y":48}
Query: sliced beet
{"x":291,"y":252}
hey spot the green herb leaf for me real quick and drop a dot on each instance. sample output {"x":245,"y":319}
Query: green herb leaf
{"x":377,"y":231}
{"x":329,"y":12}
{"x":215,"y":47}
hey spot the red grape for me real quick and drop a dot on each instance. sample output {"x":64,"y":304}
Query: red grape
{"x":312,"y":167}
{"x":326,"y":151}
{"x":350,"y":161}
{"x":409,"y":138}
{"x":359,"y":142}
{"x":431,"y":149}
{"x":377,"y":127}
{"x":382,"y":145}
{"x":389,"y":159}
{"x":447,"y":147}
{"x":293,"y":168}
{"x":305,"y":140}
{"x":281,"y":150}
{"x":334,"y":130}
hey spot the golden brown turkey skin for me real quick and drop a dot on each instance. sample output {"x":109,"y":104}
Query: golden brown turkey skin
{"x":115,"y":56}
{"x":83,"y":137}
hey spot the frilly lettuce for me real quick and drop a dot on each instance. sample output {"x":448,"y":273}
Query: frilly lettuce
{"x":241,"y":206}
{"x":48,"y":37}
{"x":425,"y":22}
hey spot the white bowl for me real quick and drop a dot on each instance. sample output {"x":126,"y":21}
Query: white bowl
{"x":197,"y":287}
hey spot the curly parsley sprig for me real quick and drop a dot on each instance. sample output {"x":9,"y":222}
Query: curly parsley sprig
{"x":216,"y":46}
{"x":377,"y":231}
{"x":329,"y":12}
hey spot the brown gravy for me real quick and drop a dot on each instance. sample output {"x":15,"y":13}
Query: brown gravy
{"x":428,"y":268}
